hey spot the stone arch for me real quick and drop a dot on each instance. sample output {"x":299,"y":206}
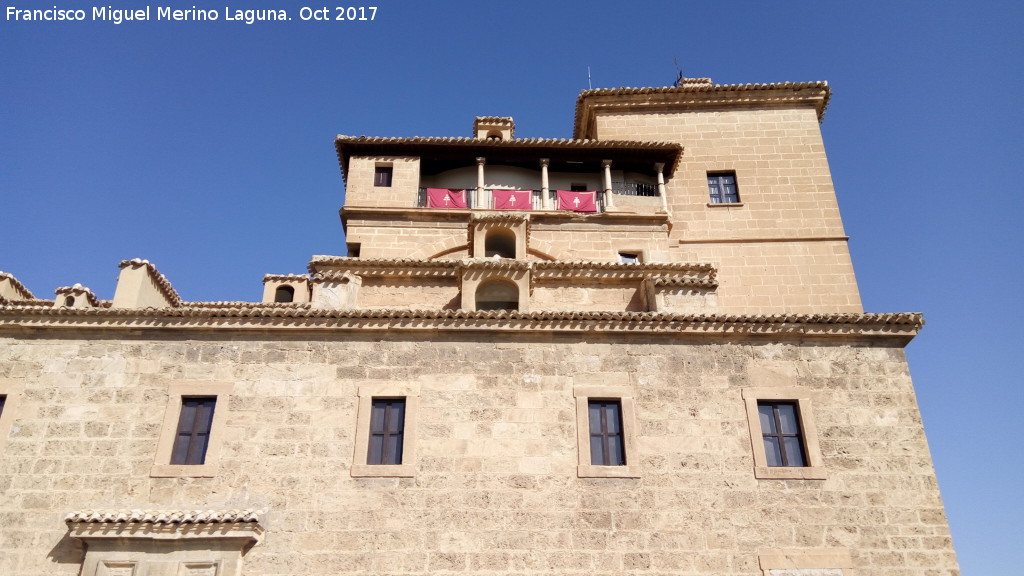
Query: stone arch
{"x":497,"y":294}
{"x":501,"y":242}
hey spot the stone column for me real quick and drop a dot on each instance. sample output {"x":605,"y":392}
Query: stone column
{"x":659,"y":168}
{"x":480,"y":161}
{"x":609,"y":203}
{"x":545,"y":193}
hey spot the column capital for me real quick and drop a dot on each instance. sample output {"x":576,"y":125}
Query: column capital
{"x":480,"y":160}
{"x":545,"y":162}
{"x":606,"y":163}
{"x":659,"y":166}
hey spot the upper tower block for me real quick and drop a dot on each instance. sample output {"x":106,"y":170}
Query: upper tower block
{"x":733,"y":176}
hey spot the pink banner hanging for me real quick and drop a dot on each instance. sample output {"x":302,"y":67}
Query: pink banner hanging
{"x":446,"y":198}
{"x":577,"y":201}
{"x":513,"y":200}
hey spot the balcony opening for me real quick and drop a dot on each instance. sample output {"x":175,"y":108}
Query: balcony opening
{"x":500,"y":242}
{"x":284,"y":294}
{"x":497,"y":295}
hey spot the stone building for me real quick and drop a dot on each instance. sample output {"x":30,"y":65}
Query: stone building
{"x":641,"y":350}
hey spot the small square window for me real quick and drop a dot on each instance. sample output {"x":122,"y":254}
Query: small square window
{"x":722,"y":188}
{"x":194,"y":426}
{"x":382,"y":176}
{"x":783,"y":435}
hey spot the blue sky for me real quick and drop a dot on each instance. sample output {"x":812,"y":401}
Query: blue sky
{"x":206,"y":147}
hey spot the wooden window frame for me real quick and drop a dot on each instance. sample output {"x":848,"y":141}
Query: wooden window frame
{"x":176,"y":392}
{"x":802,"y":398}
{"x":191,"y":440}
{"x":386,"y":428}
{"x":383,"y":176}
{"x":367,"y":393}
{"x":587,"y":469}
{"x":608,"y":409}
{"x":720,"y":199}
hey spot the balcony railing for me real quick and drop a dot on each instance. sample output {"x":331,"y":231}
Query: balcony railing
{"x":487,"y":199}
{"x":634,"y":189}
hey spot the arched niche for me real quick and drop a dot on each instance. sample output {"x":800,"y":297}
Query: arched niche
{"x":500,"y":242}
{"x":497,"y":294}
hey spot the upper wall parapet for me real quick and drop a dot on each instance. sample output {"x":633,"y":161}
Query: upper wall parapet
{"x":696,"y":95}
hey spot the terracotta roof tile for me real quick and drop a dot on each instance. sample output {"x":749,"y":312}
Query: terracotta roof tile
{"x":704,"y":89}
{"x":163,"y":516}
{"x":76,"y":290}
{"x":17,"y":285}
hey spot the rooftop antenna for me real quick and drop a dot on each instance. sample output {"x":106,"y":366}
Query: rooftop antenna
{"x":590,"y":86}
{"x":679,"y":73}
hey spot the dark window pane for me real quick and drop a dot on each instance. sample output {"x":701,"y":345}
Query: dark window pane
{"x":595,"y":418}
{"x":722,"y":188}
{"x":606,"y":439}
{"x":780,"y":428}
{"x":772,"y":452}
{"x":3,"y":401}
{"x":794,"y":451}
{"x":596,"y":451}
{"x":787,"y":419}
{"x":382,"y":176}
{"x":376,"y":452}
{"x":387,"y":424}
{"x":194,"y":425}
{"x":616,"y":453}
{"x":767,"y":418}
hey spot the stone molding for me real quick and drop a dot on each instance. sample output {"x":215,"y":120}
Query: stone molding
{"x":690,"y":96}
{"x":902,"y":326}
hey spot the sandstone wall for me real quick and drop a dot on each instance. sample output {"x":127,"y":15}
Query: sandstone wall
{"x":787,"y":205}
{"x":496,"y":487}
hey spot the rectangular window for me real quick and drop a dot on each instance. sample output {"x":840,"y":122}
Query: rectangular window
{"x":780,"y":430}
{"x":722,"y":188}
{"x":387,"y":427}
{"x":382,"y":176}
{"x":607,"y":444}
{"x":606,"y":432}
{"x":385,"y":439}
{"x":783,"y":435}
{"x":3,"y":400}
{"x":193,"y":434}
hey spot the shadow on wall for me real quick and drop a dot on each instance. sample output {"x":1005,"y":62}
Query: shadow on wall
{"x":67,"y":551}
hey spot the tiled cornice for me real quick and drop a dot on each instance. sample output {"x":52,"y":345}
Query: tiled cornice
{"x":162,"y":516}
{"x":279,"y":318}
{"x":694,"y":94}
